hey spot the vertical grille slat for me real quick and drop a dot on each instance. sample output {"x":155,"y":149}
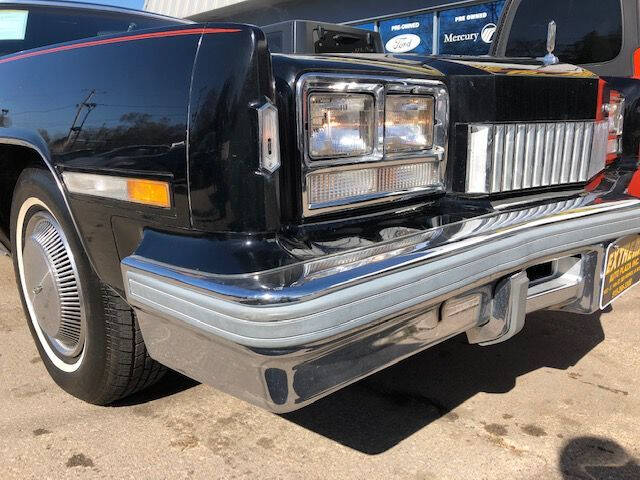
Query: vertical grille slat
{"x":509,"y":157}
{"x":549,"y":144}
{"x":567,"y":153}
{"x":518,"y":170}
{"x":538,"y":156}
{"x":574,"y":174}
{"x":587,"y":143}
{"x":498,"y":157}
{"x":529,"y":151}
{"x":558,"y":150}
{"x":533,"y":155}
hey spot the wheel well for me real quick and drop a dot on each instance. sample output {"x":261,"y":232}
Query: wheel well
{"x":13,"y":160}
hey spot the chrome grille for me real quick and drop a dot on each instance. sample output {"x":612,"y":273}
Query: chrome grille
{"x":508,"y":157}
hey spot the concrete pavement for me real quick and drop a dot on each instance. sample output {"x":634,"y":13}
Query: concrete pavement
{"x":560,"y":401}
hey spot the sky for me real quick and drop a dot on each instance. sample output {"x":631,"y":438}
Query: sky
{"x":120,"y":3}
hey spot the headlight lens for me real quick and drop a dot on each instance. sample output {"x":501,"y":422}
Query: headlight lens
{"x":336,"y":187}
{"x":341,"y":125}
{"x":409,"y":123}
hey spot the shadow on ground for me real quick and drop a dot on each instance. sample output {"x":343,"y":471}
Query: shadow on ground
{"x":171,"y":384}
{"x":377,"y":413}
{"x":596,"y":458}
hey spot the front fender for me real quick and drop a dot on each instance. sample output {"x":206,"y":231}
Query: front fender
{"x":115,"y":105}
{"x":232,"y":77}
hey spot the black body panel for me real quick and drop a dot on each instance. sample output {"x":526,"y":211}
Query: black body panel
{"x":114,"y":108}
{"x":232,"y":77}
{"x":182,"y":107}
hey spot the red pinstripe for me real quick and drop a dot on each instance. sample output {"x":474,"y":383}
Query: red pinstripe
{"x":130,"y":38}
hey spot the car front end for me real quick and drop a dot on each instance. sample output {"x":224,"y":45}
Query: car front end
{"x":391,"y":203}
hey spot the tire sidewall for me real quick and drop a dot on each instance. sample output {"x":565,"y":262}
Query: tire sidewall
{"x":88,"y":380}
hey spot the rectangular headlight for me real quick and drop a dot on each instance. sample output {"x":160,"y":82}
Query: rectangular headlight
{"x":341,"y":125}
{"x":336,"y":187}
{"x":368,"y":139}
{"x":409,"y":122}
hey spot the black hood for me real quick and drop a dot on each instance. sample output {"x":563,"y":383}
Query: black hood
{"x":481,"y":89}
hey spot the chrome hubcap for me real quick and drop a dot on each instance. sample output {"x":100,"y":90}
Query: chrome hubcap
{"x":52,"y":284}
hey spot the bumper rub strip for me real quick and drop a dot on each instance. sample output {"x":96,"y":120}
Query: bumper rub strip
{"x":455,"y":259}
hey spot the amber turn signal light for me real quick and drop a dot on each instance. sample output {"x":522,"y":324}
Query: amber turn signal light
{"x":154,"y":193}
{"x":149,"y":192}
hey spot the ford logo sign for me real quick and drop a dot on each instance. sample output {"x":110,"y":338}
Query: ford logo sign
{"x":403,"y":43}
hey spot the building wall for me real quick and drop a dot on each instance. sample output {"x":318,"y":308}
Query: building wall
{"x":448,"y":27}
{"x":185,"y":8}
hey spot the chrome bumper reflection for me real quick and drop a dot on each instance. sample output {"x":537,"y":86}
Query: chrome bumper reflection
{"x":286,"y":337}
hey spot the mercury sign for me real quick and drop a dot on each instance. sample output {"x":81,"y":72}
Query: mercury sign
{"x":469,"y":30}
{"x":408,"y":34}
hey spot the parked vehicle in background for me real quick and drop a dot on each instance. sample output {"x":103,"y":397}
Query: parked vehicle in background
{"x":282,"y":225}
{"x":600,"y":35}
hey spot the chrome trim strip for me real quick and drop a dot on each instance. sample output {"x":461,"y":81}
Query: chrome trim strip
{"x":264,"y":310}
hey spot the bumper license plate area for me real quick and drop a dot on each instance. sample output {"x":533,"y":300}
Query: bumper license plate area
{"x":622,"y":268}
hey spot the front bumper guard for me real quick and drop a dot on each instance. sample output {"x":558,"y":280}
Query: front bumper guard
{"x":286,"y":337}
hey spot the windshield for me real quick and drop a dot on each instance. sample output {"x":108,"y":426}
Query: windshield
{"x":589,"y":31}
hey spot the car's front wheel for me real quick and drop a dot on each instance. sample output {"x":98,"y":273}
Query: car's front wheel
{"x":87,"y":336}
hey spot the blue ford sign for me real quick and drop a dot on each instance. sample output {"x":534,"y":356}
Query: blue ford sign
{"x":412,"y":34}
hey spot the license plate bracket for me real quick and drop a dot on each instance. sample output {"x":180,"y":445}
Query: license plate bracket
{"x":621,"y":269}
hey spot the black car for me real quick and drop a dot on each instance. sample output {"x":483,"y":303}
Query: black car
{"x":282,"y":225}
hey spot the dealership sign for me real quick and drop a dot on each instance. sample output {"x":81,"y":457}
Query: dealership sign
{"x":408,"y":34}
{"x":469,"y":30}
{"x":403,"y":43}
{"x":461,"y":31}
{"x":488,"y":32}
{"x":486,"y":35}
{"x":465,"y":37}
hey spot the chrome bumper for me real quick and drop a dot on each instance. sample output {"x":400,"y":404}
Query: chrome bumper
{"x":286,"y":337}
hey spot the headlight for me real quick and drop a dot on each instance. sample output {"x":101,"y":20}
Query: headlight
{"x":367,"y":139}
{"x":341,"y":125}
{"x":409,"y":122}
{"x":337,"y":187}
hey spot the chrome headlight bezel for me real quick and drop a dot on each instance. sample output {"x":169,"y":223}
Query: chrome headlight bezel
{"x":379,"y":87}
